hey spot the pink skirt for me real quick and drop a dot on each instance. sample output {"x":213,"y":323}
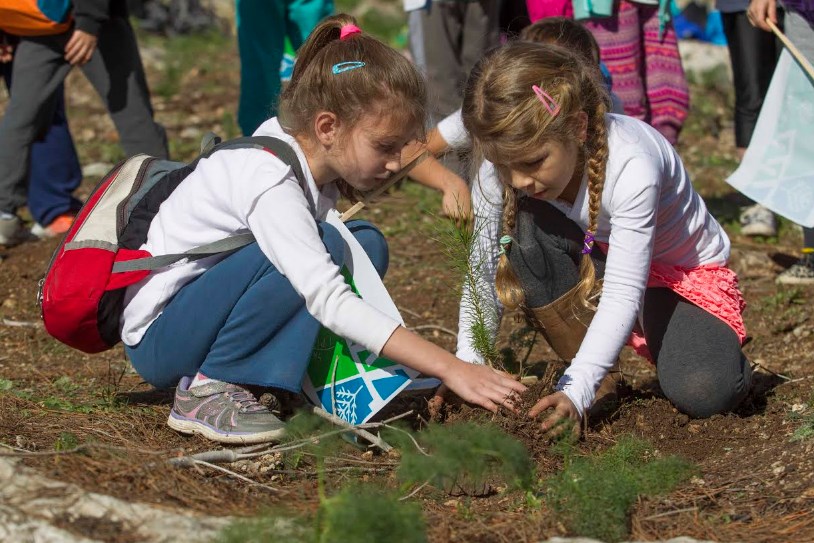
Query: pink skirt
{"x":712,"y":288}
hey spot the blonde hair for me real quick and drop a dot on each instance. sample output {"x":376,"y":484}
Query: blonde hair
{"x":507,"y":121}
{"x":387,"y":82}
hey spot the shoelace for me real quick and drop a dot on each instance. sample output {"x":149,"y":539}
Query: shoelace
{"x":246,"y":401}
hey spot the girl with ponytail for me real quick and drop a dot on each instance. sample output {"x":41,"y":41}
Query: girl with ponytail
{"x":604,"y":239}
{"x":251,"y":316}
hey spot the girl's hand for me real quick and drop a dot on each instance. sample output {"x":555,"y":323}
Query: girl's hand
{"x":484,"y":386}
{"x":564,"y":411}
{"x":80,"y":48}
{"x":6,"y":53}
{"x":759,"y":11}
{"x":457,"y":203}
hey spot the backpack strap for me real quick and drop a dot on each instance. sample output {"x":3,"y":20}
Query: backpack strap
{"x":277,"y":147}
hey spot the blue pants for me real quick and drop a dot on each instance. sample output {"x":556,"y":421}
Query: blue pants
{"x":242,"y":321}
{"x":54,"y":167}
{"x":262,"y":26}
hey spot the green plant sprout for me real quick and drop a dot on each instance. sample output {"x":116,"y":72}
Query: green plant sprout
{"x":458,"y":240}
{"x":463,"y":457}
{"x":359,"y":513}
{"x":806,"y":419}
{"x":593,"y":495}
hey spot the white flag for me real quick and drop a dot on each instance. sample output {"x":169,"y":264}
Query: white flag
{"x":778,"y":168}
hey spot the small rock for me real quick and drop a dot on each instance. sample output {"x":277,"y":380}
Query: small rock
{"x":96,"y":169}
{"x":452,"y":503}
{"x":9,"y":303}
{"x":191,"y":133}
{"x":682,"y":419}
{"x":798,"y":408}
{"x":693,"y":428}
{"x":697,"y":481}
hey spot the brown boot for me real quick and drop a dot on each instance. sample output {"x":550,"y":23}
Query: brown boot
{"x":564,"y":323}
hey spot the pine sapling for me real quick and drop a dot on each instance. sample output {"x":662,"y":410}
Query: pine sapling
{"x":464,"y":457}
{"x":459,"y":241}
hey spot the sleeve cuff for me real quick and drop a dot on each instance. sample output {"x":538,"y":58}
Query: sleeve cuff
{"x":86,"y":24}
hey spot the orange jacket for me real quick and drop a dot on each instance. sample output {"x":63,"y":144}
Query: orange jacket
{"x":35,"y":17}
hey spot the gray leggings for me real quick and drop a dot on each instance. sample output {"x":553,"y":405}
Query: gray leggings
{"x":701,"y":367}
{"x":115,"y":71}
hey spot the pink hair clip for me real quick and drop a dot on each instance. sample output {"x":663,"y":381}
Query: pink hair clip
{"x":549,"y":103}
{"x":348,"y":30}
{"x":588,"y":243}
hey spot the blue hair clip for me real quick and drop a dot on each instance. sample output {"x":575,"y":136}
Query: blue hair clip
{"x":505,"y":241}
{"x":346,"y":66}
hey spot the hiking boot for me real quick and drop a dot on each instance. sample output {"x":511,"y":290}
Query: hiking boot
{"x":57,"y":227}
{"x":756,"y":220}
{"x":801,"y":273}
{"x":12,"y":231}
{"x":223,"y":412}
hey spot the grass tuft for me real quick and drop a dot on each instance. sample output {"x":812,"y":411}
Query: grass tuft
{"x":593,"y":495}
{"x":464,"y":456}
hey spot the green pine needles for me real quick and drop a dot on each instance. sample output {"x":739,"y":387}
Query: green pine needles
{"x":458,"y":240}
{"x":464,"y":456}
{"x":593,"y":495}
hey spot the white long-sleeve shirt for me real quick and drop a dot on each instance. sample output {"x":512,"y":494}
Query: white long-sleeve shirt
{"x":250,"y":190}
{"x":650,"y":213}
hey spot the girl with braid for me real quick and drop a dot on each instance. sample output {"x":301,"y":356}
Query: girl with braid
{"x":604,"y":240}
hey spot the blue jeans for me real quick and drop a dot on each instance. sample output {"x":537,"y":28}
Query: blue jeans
{"x":242,"y":321}
{"x":54,"y":167}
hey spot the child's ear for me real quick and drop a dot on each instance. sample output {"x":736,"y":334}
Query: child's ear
{"x":326,"y":127}
{"x":583,"y":126}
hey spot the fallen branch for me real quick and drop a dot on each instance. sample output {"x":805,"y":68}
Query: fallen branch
{"x":238,"y":476}
{"x":364,"y":434}
{"x":764,"y":368}
{"x":434,"y":327}
{"x":233,"y":455}
{"x":22,"y":324}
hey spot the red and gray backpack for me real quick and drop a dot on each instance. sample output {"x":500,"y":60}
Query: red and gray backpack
{"x":82,"y":293}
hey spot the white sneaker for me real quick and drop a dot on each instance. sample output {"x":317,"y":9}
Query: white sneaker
{"x":12,"y":231}
{"x":757,"y":220}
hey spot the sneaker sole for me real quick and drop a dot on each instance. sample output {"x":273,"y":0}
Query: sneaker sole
{"x":759,"y":230}
{"x":794,"y":280}
{"x":189,"y":427}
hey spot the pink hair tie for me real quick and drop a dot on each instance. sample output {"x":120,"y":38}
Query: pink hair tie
{"x":347,"y":30}
{"x":549,"y":103}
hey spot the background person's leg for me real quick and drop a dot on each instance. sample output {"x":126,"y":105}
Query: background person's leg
{"x":668,"y":93}
{"x":261,"y":28}
{"x":38,"y":72}
{"x":116,"y":72}
{"x":55,"y":171}
{"x":620,"y":46}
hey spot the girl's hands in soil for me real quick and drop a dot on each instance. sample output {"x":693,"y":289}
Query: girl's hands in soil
{"x":484,"y":386}
{"x":564,"y":412}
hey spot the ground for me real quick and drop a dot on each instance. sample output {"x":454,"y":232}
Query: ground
{"x":754,"y":478}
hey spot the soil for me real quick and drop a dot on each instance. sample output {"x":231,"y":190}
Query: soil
{"x":753,"y":482}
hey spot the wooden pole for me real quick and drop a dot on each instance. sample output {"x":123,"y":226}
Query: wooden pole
{"x":802,"y":60}
{"x":395,"y":178}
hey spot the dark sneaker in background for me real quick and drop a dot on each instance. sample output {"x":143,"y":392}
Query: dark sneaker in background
{"x":801,"y":273}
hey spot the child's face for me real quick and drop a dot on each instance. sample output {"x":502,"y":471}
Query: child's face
{"x":371,"y":152}
{"x":548,"y":173}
